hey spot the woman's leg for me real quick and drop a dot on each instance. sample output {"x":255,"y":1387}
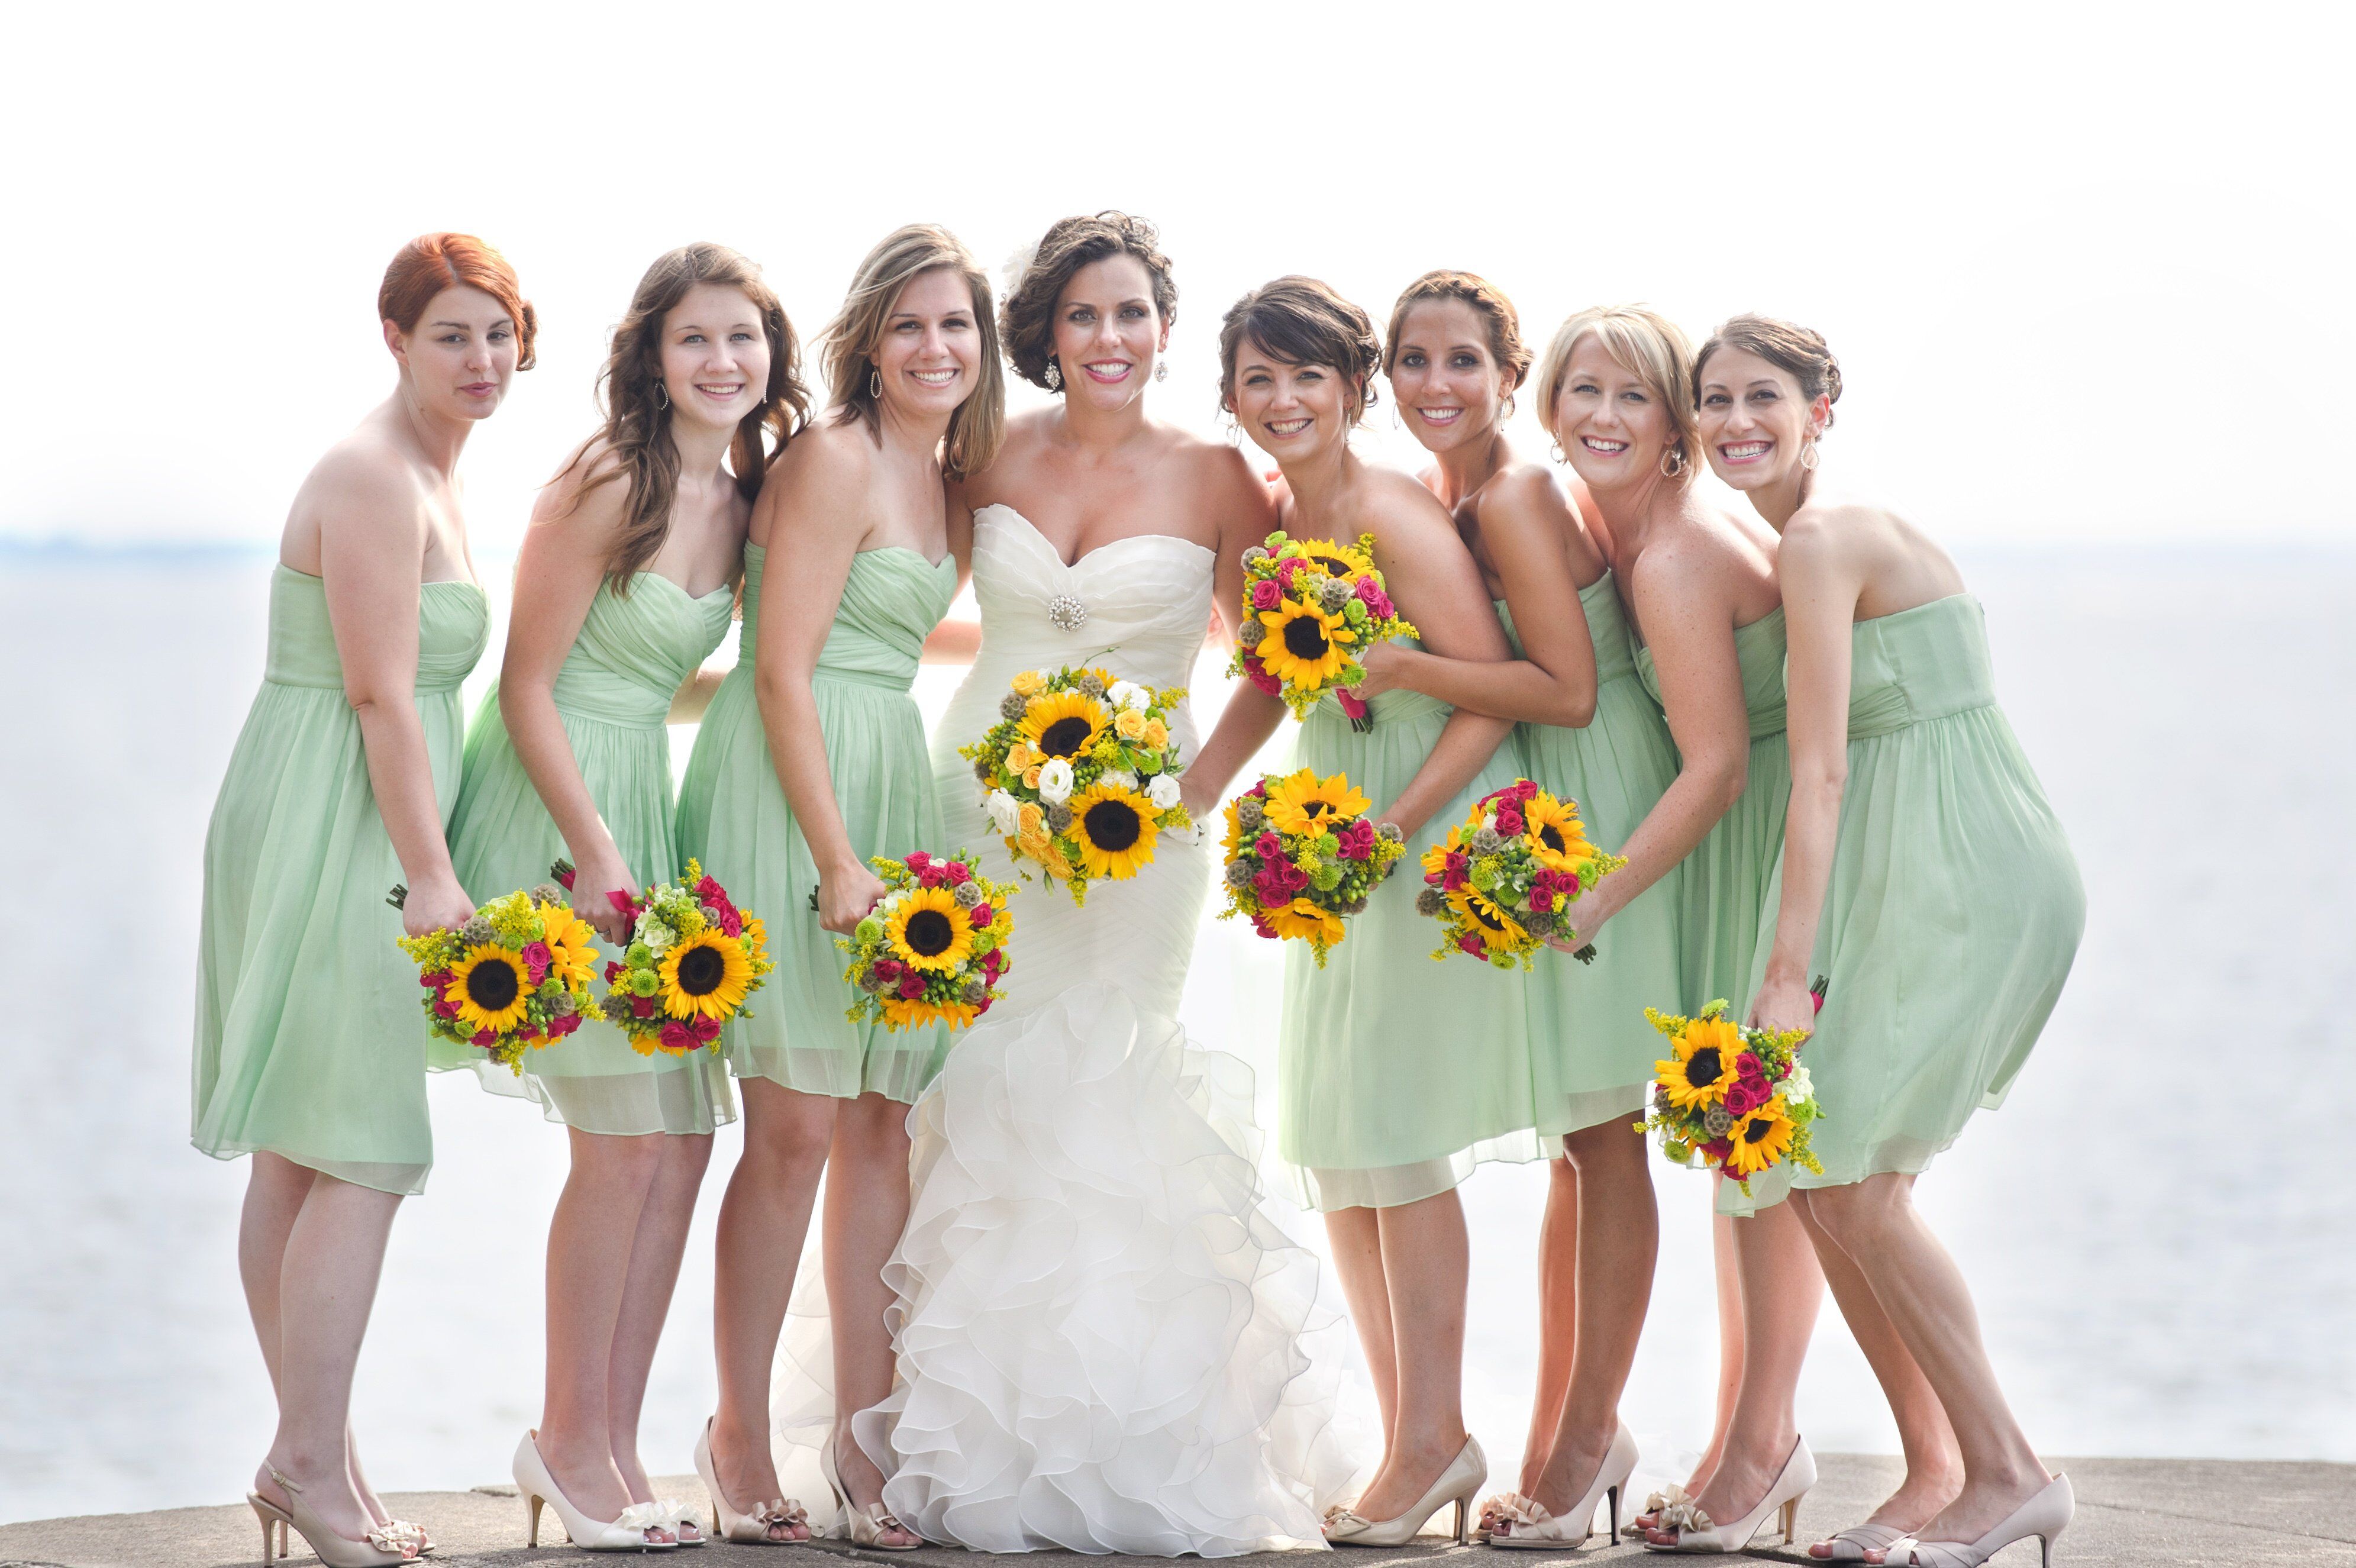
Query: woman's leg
{"x":1619,"y":1243}
{"x":1934,"y":1470}
{"x":1426,"y":1263}
{"x":331,"y":1259}
{"x":1917,"y":1284}
{"x":1355,"y":1237}
{"x":1782,"y":1286}
{"x":763,"y":1220}
{"x":590,"y":1238}
{"x":866,"y":1210}
{"x":655,"y":1257}
{"x":1558,"y":1266}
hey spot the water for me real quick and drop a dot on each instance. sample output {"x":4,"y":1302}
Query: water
{"x":2156,"y":1224}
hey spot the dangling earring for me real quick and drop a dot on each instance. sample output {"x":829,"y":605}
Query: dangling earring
{"x":662,"y":396}
{"x":1555,"y":446}
{"x":1808,"y":455}
{"x":1160,"y":369}
{"x":1235,"y":428}
{"x":1054,"y":373}
{"x":1673,"y":462}
{"x":875,"y":384}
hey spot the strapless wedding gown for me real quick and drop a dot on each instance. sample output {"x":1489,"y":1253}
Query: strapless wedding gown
{"x":1101,"y":1329}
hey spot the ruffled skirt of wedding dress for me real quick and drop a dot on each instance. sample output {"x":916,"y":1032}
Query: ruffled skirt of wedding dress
{"x":1106,"y":1343}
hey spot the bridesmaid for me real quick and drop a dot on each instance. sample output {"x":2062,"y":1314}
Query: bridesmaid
{"x":1908,"y":788}
{"x":1698,"y":585}
{"x":1384,"y":1105}
{"x":623,"y":584}
{"x":310,"y":1046}
{"x":1455,"y":358}
{"x":812,"y":759}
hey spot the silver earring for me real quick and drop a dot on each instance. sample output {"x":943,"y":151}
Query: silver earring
{"x":1808,"y":455}
{"x":1055,"y":375}
{"x":1160,"y":369}
{"x":1673,"y":462}
{"x":1556,"y":447}
{"x":875,"y":384}
{"x":662,"y":396}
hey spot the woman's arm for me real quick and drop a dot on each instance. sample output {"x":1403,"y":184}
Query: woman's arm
{"x":1437,"y":585}
{"x":814,"y":513}
{"x":372,"y":550}
{"x":1247,"y":515}
{"x":1524,"y":524}
{"x":559,"y":572}
{"x":1823,"y":575}
{"x":1683,"y":600}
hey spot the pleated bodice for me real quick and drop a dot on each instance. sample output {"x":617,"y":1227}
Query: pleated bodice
{"x":1759,"y":650}
{"x":1918,"y":665}
{"x":891,"y":602}
{"x":454,"y":621}
{"x":633,"y":653}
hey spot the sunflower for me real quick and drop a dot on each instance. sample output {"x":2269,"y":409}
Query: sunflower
{"x":1435,"y":857}
{"x":1063,"y":724}
{"x":705,"y":975}
{"x":1296,"y":804}
{"x":930,"y":932}
{"x":1303,"y":919}
{"x":1346,"y":561}
{"x":1114,"y":828}
{"x":571,"y":946}
{"x":900,"y":1013}
{"x":490,"y":987}
{"x":1491,"y":922}
{"x":1558,"y":840}
{"x":1304,"y":646}
{"x":1703,"y":1068}
{"x":1760,"y":1139}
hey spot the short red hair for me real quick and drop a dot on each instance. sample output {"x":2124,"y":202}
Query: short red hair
{"x":432,"y":262}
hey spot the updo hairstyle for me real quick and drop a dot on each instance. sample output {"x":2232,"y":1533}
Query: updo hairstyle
{"x":432,"y":262}
{"x":1302,"y":321}
{"x":1487,"y":300}
{"x":1798,"y":352}
{"x":1027,"y":320}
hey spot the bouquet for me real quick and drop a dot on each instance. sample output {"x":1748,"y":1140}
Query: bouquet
{"x":693,"y":959}
{"x":1502,"y":881}
{"x":1737,"y":1097}
{"x":1081,"y":772}
{"x":1301,"y":856}
{"x":932,"y":950}
{"x":515,"y":976}
{"x":1308,"y":605}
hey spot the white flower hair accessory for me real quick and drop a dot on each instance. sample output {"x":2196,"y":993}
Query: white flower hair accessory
{"x":1011,"y":275}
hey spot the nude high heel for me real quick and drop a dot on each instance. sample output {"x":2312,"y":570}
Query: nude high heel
{"x":1459,"y":1483}
{"x":2044,"y":1515}
{"x":1696,"y":1531}
{"x":377,"y":1548}
{"x":867,"y":1526}
{"x":627,"y":1532}
{"x":754,"y":1527}
{"x":1527,"y":1526}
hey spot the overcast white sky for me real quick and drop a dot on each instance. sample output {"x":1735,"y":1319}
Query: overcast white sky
{"x":2085,"y":267}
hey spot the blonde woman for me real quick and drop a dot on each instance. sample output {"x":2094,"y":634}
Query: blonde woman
{"x":812,"y":759}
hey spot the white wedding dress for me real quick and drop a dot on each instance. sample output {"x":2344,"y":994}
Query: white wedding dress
{"x":1101,"y":1329}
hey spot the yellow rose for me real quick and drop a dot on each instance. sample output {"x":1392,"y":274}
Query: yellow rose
{"x":1029,"y":682}
{"x":1031,"y":820}
{"x":1157,"y":733}
{"x":1058,"y":866}
{"x":1031,"y":775}
{"x":1129,"y":724}
{"x":1019,"y":756}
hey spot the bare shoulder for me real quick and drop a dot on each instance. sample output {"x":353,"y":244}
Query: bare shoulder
{"x":1216,"y":470}
{"x":365,"y":480}
{"x":819,"y":484}
{"x":1393,"y":498}
{"x":1525,"y":494}
{"x":831,"y":450}
{"x":589,"y":490}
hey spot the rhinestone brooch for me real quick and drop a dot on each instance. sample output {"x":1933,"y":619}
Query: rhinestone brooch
{"x":1066,"y":613}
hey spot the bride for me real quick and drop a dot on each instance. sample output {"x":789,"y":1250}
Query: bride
{"x":1099,"y":1329}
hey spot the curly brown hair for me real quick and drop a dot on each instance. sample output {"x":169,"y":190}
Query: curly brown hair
{"x":1027,"y":321}
{"x":1489,"y":301}
{"x":1302,"y":321}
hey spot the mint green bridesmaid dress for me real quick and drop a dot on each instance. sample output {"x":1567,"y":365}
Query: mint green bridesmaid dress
{"x":310,"y":1043}
{"x":1952,"y":912}
{"x":1397,"y":1074}
{"x":732,"y":815}
{"x":1592,"y":1052}
{"x":613,"y":694}
{"x":1726,"y":900}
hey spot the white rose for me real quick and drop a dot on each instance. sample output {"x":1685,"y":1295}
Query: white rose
{"x":1164,"y":792}
{"x":1797,"y":1088}
{"x":654,"y":934}
{"x":1006,"y":812}
{"x":1121,"y":776}
{"x":1126,"y":694}
{"x":1055,"y":781}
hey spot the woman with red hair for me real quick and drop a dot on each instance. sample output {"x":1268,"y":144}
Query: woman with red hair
{"x":310,"y":1051}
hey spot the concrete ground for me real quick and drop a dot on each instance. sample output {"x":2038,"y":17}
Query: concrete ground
{"x":2195,"y":1512}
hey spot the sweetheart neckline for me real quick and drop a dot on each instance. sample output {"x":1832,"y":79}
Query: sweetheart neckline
{"x":930,"y":565}
{"x":1033,"y":530}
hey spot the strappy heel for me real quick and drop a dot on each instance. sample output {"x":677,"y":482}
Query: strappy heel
{"x":1531,"y":1528}
{"x":1459,"y":1483}
{"x":377,"y":1548}
{"x":2044,"y":1515}
{"x":866,"y":1525}
{"x":754,"y":1527}
{"x":1696,"y":1532}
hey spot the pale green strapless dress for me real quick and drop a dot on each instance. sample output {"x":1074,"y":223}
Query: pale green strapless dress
{"x":1396,"y":1075}
{"x":732,"y":816}
{"x":310,"y":1042}
{"x":614,"y":695}
{"x":1954,"y":908}
{"x":1725,"y":899}
{"x":1592,"y":1052}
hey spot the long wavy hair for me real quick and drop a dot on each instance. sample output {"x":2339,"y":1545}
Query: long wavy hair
{"x":854,"y":335}
{"x":636,"y":436}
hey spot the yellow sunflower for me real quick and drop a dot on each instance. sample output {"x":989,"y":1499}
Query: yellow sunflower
{"x":1115,"y":829}
{"x":1063,"y":724}
{"x":1703,"y":1067}
{"x":1761,"y":1138}
{"x":1305,"y":648}
{"x":490,"y":987}
{"x":930,"y":932}
{"x":705,"y":975}
{"x":571,"y":946}
{"x":1493,"y":923}
{"x":1557,"y":838}
{"x":1435,"y":858}
{"x":1296,"y":804}
{"x":1304,"y":920}
{"x":1346,"y":561}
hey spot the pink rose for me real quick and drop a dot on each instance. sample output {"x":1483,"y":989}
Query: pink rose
{"x":912,"y":985}
{"x":1284,"y":571}
{"x":1472,"y":944}
{"x":560,"y":1027}
{"x":1263,"y":928}
{"x":1260,"y":790}
{"x":1541,"y":897}
{"x":918,"y":860}
{"x":1353,"y":707}
{"x":676,"y":1037}
{"x":705,"y":1030}
{"x":1268,"y":846}
{"x":537,"y":958}
{"x":436,"y":981}
{"x":888,"y":968}
{"x":1509,"y":822}
{"x":487,"y":1038}
{"x":1458,"y":867}
{"x":957,"y":873}
{"x":731,"y":921}
{"x":993,"y":961}
{"x":982,"y":915}
{"x":1748,"y":1065}
{"x":642,"y":1006}
{"x":1265,"y":595}
{"x":1256,"y":674}
{"x":445,"y":1008}
{"x":1358,"y":840}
